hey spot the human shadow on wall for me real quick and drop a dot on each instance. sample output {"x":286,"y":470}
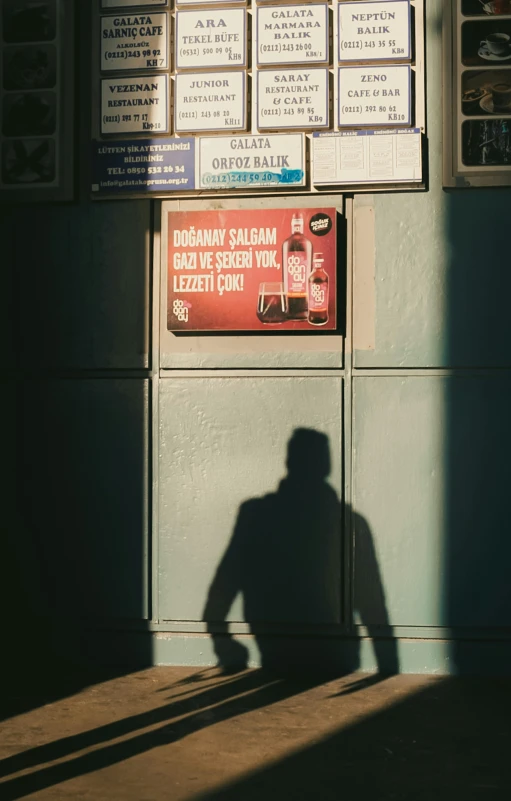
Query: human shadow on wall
{"x":285,"y":558}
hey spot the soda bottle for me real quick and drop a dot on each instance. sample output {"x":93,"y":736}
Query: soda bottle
{"x":296,"y":265}
{"x":318,"y":292}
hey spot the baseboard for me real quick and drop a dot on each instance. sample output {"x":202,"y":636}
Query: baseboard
{"x":340,"y":655}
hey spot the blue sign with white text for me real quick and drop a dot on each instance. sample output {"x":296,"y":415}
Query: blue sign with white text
{"x":143,"y":165}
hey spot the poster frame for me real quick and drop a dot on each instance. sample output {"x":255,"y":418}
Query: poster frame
{"x":173,"y":345}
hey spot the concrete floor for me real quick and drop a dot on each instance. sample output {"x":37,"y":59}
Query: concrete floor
{"x":180,"y":734}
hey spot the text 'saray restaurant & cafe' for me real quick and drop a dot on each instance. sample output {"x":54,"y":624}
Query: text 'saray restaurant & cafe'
{"x":228,"y":99}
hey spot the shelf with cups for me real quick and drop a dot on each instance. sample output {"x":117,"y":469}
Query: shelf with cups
{"x":485,"y":88}
{"x":485,"y":42}
{"x":486,"y":93}
{"x":477,"y":99}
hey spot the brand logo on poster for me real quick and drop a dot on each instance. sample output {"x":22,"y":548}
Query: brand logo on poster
{"x":320,"y":224}
{"x":251,"y":270}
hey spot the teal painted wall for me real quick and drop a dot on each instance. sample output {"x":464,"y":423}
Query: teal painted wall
{"x":431,"y":444}
{"x":128,"y":492}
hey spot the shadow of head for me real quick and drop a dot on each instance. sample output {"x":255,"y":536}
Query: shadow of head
{"x":308,"y":455}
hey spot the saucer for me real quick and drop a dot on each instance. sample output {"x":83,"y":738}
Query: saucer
{"x":487,"y":105}
{"x":483,"y":53}
{"x":477,"y":99}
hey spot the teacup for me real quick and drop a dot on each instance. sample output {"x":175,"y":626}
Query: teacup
{"x":497,"y":43}
{"x":501,"y":94}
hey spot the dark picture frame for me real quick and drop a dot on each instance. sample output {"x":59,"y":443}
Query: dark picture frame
{"x":36,"y":101}
{"x":477,"y":94}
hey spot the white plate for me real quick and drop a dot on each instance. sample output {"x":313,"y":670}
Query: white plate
{"x":482,"y":53}
{"x":487,"y":105}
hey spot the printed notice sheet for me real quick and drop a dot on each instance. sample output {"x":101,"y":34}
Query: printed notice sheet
{"x":357,"y":157}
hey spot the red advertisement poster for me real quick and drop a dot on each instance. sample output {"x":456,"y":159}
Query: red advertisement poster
{"x":252,"y":270}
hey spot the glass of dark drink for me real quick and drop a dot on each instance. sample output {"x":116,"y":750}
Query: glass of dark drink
{"x":272,"y":303}
{"x":500,"y":6}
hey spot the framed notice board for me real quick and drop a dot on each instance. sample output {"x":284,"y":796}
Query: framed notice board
{"x":249,"y":97}
{"x":477,"y":93}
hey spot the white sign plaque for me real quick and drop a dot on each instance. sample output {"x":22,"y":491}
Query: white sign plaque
{"x":129,"y":3}
{"x":358,"y":157}
{"x":374,"y":31}
{"x":292,"y":34}
{"x":242,"y":162}
{"x":134,"y":105}
{"x":211,"y":38}
{"x":296,"y":98}
{"x":208,"y":2}
{"x":134,"y":42}
{"x":374,"y":95}
{"x":210,"y":101}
